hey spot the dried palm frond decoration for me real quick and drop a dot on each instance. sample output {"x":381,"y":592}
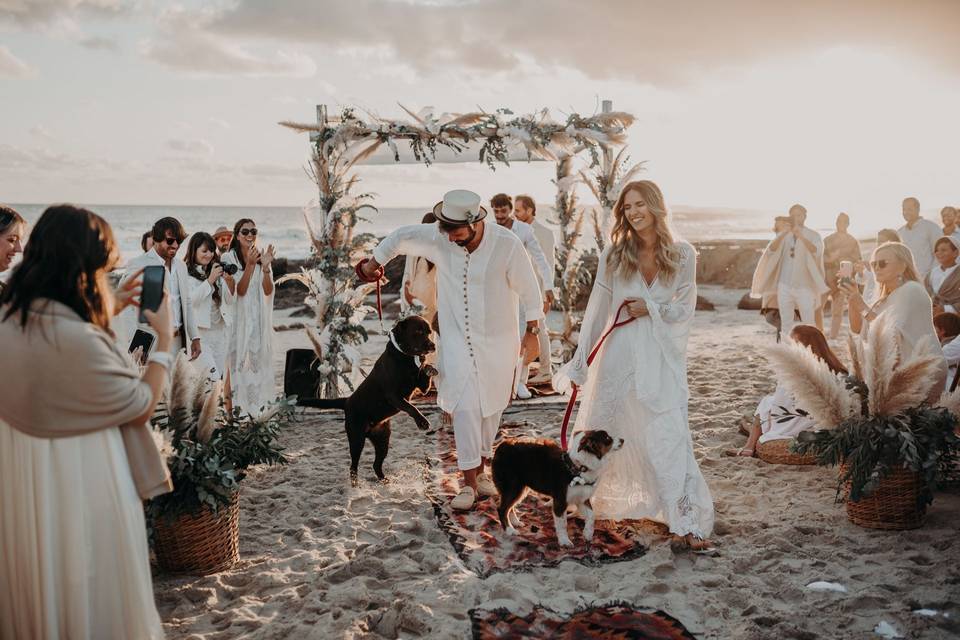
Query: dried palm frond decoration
{"x":605,"y":181}
{"x":876,"y":420}
{"x":341,"y":143}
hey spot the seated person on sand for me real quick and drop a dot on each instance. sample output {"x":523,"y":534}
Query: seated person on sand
{"x":948,"y":332}
{"x":777,"y":416}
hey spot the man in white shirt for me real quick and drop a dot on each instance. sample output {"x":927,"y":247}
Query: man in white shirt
{"x":482,"y":270}
{"x":792,"y":269}
{"x":920,"y":235}
{"x":525,"y":210}
{"x":502,"y":206}
{"x":167,"y":235}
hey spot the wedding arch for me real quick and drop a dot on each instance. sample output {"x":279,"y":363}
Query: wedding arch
{"x":340,"y":143}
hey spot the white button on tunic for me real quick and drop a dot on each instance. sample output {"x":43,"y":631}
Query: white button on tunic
{"x":477,"y":306}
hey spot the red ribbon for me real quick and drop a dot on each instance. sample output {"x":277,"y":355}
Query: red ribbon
{"x":593,"y":354}
{"x":378,"y":276}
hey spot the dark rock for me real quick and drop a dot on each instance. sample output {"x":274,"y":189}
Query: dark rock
{"x":749,"y":304}
{"x":704,"y":305}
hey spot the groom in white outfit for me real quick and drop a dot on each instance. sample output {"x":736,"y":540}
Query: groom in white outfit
{"x":482,"y":271}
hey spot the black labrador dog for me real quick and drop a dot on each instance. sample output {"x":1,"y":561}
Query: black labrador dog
{"x":386,"y":392}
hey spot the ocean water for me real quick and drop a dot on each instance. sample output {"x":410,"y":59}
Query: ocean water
{"x":284,"y":226}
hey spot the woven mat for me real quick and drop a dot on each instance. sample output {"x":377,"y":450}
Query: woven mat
{"x":484,"y":548}
{"x":614,"y":621}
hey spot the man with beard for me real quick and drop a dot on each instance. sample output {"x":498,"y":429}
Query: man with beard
{"x":482,"y":273}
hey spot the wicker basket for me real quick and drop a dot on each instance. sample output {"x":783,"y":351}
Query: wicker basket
{"x":894,"y":505}
{"x":778,"y":452}
{"x":199,"y":544}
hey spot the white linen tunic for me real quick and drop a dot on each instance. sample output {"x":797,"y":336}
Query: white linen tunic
{"x":477,"y":305}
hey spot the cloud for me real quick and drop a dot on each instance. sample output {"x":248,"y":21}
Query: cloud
{"x":183,"y":44}
{"x":31,"y":13}
{"x":41,"y":131}
{"x":98,"y":43}
{"x":198,"y":147}
{"x":657,"y":42}
{"x":13,"y":67}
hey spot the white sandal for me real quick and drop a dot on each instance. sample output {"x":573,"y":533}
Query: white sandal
{"x":485,"y":486}
{"x":464,"y":500}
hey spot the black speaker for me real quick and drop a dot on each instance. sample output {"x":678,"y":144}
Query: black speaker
{"x":301,"y":374}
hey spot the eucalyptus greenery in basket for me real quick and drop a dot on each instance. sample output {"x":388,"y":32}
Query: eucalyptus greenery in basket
{"x":878,"y":419}
{"x":208,"y":452}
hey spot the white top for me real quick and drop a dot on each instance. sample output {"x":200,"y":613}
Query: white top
{"x":173,"y":288}
{"x":548,"y":244}
{"x":477,"y":305}
{"x":789,"y":257}
{"x":525,"y":232}
{"x":937,"y":275}
{"x":207,"y":312}
{"x":921,"y":239}
{"x":951,"y":353}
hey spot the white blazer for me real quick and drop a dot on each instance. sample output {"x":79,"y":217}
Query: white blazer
{"x":201,"y":299}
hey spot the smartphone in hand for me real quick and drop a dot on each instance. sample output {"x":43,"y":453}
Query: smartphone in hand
{"x":151,"y":289}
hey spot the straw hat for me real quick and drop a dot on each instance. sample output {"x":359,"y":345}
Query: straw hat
{"x":222,"y":231}
{"x":459,"y":207}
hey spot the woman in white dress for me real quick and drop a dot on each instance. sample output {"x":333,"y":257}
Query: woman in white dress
{"x":637,"y":386}
{"x":771,"y":422}
{"x":76,"y":452}
{"x":210,"y":296}
{"x":250,"y":344}
{"x":902,"y":301}
{"x":12,"y":226}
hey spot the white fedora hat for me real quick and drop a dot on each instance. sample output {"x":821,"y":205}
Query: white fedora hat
{"x":459,"y":207}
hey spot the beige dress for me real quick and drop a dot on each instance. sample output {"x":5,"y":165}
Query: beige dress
{"x":73,"y":543}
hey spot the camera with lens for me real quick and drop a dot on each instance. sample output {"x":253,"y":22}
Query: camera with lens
{"x":228,"y":269}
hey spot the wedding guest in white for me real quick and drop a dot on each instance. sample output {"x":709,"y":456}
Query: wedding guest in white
{"x":943,"y":281}
{"x":77,"y":456}
{"x":502,"y":206}
{"x":948,"y":215}
{"x":249,"y":360}
{"x":791,"y":267}
{"x":211,"y":299}
{"x":903,"y":302}
{"x":919,"y":234}
{"x":865,"y":273}
{"x":771,"y":422}
{"x":636,"y":388}
{"x":525,"y":210}
{"x":482,"y":271}
{"x":838,"y":247}
{"x":167,"y":234}
{"x":947,"y":326}
{"x":12,"y":228}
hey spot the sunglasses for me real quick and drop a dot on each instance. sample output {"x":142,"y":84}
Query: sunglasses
{"x":171,"y":241}
{"x":879,"y":264}
{"x":248,"y":232}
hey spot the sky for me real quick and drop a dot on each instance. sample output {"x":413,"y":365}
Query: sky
{"x":840,"y":105}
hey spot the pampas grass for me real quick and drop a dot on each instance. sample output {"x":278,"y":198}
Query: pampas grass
{"x":881,"y":356}
{"x":910,"y":383}
{"x":207,"y":420}
{"x":815,"y":387}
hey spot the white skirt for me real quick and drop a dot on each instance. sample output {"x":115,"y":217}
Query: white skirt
{"x":73,"y":543}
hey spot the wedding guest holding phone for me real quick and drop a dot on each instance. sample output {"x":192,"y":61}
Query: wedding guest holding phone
{"x":943,"y":281}
{"x":250,"y":346}
{"x":211,"y":297}
{"x":12,"y":228}
{"x":77,"y":456}
{"x":839,"y":247}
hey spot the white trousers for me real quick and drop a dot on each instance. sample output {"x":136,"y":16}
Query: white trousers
{"x":473,"y":434}
{"x":790,"y":299}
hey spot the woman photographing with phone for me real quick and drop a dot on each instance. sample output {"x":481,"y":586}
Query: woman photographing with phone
{"x":210,"y":295}
{"x":76,"y":453}
{"x":249,"y":359}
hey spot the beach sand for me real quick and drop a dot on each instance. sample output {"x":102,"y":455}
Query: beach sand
{"x":321,"y":559}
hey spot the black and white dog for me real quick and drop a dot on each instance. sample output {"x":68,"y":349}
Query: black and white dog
{"x":570,"y":479}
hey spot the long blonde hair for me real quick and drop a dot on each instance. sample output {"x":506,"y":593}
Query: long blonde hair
{"x":902,"y":253}
{"x":625,"y":243}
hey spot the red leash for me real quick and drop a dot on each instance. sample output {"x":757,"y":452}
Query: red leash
{"x":593,"y":354}
{"x":377,"y":278}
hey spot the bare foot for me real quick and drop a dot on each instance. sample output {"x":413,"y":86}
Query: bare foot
{"x":740,"y":453}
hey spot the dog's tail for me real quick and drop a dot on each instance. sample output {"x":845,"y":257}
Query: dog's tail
{"x":323,"y":403}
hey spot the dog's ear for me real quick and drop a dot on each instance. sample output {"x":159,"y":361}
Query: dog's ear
{"x":596,"y":443}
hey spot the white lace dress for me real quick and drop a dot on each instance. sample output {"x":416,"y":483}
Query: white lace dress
{"x":636,"y":389}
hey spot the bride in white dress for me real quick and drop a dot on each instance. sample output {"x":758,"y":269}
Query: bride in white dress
{"x":636,"y":387}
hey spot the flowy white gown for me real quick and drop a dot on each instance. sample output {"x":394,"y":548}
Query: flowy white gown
{"x":250,"y":344}
{"x":636,"y":389}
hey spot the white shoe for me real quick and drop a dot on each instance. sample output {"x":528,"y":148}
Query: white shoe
{"x":523,"y":393}
{"x":464,"y":500}
{"x":485,"y":486}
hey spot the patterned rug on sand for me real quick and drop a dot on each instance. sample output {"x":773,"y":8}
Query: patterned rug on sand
{"x":618,"y":621}
{"x":483,"y":546}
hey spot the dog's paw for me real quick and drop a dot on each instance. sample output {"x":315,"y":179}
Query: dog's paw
{"x":511,"y":531}
{"x":564,"y":541}
{"x":429,"y":370}
{"x":577,"y":481}
{"x":588,"y":534}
